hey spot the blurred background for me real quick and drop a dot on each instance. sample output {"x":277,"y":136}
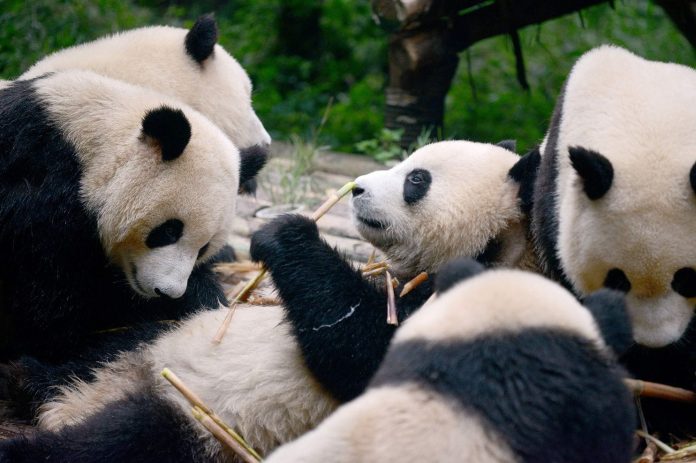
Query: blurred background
{"x":321,"y":68}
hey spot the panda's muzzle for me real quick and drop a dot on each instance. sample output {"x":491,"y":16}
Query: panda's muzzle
{"x":372,"y":223}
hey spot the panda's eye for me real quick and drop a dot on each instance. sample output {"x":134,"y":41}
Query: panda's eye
{"x":416,"y":178}
{"x":165,"y":234}
{"x":684,"y":282}
{"x":617,"y":279}
{"x":202,"y":250}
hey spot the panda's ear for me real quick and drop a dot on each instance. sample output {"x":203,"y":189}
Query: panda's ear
{"x":169,"y":128}
{"x":455,"y":271}
{"x":201,"y":39}
{"x":524,"y":172}
{"x":692,"y":177}
{"x":608,"y":307}
{"x":252,"y":160}
{"x":510,"y":145}
{"x":594,"y":169}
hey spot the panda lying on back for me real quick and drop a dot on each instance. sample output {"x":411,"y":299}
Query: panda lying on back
{"x":187,"y":65}
{"x":280,"y":370}
{"x":112,"y":199}
{"x":503,"y":367}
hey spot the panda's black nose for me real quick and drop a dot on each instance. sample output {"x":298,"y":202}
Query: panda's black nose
{"x":357,"y":191}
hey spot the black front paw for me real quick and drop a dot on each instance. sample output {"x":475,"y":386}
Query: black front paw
{"x":281,"y":235}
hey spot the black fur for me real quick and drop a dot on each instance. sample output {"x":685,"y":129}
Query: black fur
{"x":170,"y":129}
{"x":164,"y":234}
{"x":58,"y":287}
{"x":692,"y":177}
{"x":594,"y":169}
{"x":617,"y":279}
{"x":201,"y":39}
{"x":252,"y":160}
{"x":416,"y":185}
{"x":684,"y":282}
{"x":608,"y":307}
{"x":510,"y":145}
{"x":490,"y":253}
{"x":524,"y":172}
{"x":140,"y":428}
{"x":338,"y":317}
{"x":544,"y":213}
{"x":550,"y":395}
{"x":455,"y":271}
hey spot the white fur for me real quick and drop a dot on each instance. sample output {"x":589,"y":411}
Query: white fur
{"x":640,"y":115}
{"x":398,"y":424}
{"x":470,"y":201}
{"x":131,"y":189}
{"x":499,"y":300}
{"x":155,"y":57}
{"x":254,"y":379}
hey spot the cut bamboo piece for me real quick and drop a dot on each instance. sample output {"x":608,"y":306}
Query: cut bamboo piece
{"x":243,"y":294}
{"x":197,"y":402}
{"x":413,"y":284}
{"x":222,"y":436}
{"x":660,"y":391}
{"x":392,"y":318}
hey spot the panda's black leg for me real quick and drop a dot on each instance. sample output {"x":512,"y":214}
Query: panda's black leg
{"x":338,"y":317}
{"x":142,"y":428}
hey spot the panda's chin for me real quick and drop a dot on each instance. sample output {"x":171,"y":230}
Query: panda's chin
{"x":371,"y":223}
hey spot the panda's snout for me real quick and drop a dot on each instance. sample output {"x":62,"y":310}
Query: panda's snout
{"x":171,"y":291}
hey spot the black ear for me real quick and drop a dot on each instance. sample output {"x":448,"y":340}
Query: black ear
{"x":594,"y":169}
{"x":252,"y":160}
{"x":524,"y":172}
{"x":608,"y":307}
{"x":692,"y":177}
{"x":170,"y":129}
{"x":455,"y":271}
{"x":200,"y":40}
{"x":510,"y":145}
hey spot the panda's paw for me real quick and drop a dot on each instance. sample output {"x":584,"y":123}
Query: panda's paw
{"x":284,"y":234}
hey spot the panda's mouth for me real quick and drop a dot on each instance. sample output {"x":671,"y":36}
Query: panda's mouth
{"x":372,"y":223}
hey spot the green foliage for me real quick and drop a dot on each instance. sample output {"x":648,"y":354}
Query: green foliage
{"x":384,"y":147}
{"x":303,"y":54}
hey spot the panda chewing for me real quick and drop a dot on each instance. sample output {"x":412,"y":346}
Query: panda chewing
{"x":280,"y":370}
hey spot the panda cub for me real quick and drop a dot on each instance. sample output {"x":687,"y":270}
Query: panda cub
{"x":112,"y":199}
{"x":280,"y":370}
{"x":505,"y":366}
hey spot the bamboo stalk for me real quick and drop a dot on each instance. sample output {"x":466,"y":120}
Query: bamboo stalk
{"x":373,"y":266}
{"x":392,"y":318}
{"x":649,"y":454}
{"x":413,"y":284}
{"x":196,"y":401}
{"x":221,"y":435}
{"x":661,"y":445}
{"x":660,"y":391}
{"x":374,"y":272}
{"x":318,"y":214}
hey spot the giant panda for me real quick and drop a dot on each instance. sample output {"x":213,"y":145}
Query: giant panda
{"x":280,"y":370}
{"x":112,"y":199}
{"x":615,"y":200}
{"x":504,"y":366}
{"x":186,"y":64}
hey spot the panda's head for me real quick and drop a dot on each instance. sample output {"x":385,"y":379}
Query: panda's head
{"x":447,"y":199}
{"x":187,"y":64}
{"x":627,"y":188}
{"x":160,"y":179}
{"x":473,"y":302}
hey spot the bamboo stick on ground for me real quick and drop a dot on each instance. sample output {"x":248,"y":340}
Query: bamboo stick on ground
{"x":661,"y":445}
{"x":243,"y":294}
{"x":648,"y":455}
{"x":413,"y":284}
{"x":198,"y":403}
{"x":660,"y":391}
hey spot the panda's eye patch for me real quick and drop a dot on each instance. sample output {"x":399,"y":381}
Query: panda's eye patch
{"x":202,"y":250}
{"x":165,"y":234}
{"x":684,"y":282}
{"x":616,"y":279}
{"x":416,"y":185}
